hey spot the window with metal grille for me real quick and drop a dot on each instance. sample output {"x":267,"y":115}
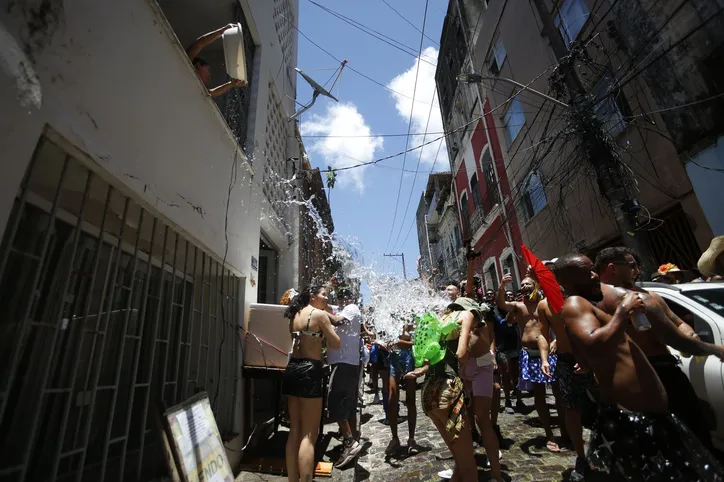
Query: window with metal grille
{"x":236,"y":103}
{"x":107,"y":313}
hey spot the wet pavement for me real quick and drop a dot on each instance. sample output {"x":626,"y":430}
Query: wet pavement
{"x":525,"y":457}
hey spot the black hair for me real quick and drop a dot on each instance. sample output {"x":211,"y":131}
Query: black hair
{"x":302,"y":300}
{"x":199,"y":62}
{"x":344,"y":293}
{"x":606,"y":256}
{"x":565,"y":264}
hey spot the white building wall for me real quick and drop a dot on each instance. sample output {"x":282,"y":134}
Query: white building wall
{"x":117,"y":90}
{"x":272,"y":132}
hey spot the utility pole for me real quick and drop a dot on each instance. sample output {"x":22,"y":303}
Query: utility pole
{"x":610,"y":175}
{"x":400,"y":255}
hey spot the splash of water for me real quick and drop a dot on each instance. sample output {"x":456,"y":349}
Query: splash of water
{"x":395,"y":300}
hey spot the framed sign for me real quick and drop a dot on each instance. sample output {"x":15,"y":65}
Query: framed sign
{"x":194,"y":438}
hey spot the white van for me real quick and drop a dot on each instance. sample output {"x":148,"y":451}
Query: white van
{"x":702,"y":306}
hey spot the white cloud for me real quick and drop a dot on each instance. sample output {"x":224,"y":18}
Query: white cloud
{"x":343,"y":119}
{"x":405,"y":84}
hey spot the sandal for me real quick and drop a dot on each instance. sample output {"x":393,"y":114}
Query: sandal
{"x":553,"y":447}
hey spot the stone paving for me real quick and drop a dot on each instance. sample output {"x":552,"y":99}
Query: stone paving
{"x":525,"y":457}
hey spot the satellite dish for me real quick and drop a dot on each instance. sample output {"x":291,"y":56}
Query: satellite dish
{"x":318,"y":89}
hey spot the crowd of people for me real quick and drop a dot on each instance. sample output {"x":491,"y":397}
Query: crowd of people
{"x":603,"y":353}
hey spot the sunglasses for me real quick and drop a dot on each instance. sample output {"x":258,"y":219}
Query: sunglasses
{"x":631,"y":264}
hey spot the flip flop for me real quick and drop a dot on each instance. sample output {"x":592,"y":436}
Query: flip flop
{"x":553,"y":447}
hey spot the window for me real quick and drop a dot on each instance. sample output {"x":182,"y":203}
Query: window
{"x":712,"y":299}
{"x":612,"y":109}
{"x":491,"y":277}
{"x":456,"y":232}
{"x":497,"y":56}
{"x":513,"y":119}
{"x":475,"y":189}
{"x":509,"y":268}
{"x":464,"y":205}
{"x":571,"y":18}
{"x":490,"y":182}
{"x":119,"y":311}
{"x":534,"y":197}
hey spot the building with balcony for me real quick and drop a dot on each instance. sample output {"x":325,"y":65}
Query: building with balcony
{"x":438,"y":231}
{"x":640,"y":87}
{"x":139,"y":219}
{"x":487,"y":217}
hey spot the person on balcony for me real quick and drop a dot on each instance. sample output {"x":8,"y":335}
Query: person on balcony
{"x":202,"y":67}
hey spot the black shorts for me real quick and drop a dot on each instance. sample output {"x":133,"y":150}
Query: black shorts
{"x":574,"y":387}
{"x":303,"y":378}
{"x":638,"y":446}
{"x":343,"y":387}
{"x":683,"y":401}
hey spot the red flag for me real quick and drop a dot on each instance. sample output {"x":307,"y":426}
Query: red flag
{"x":546,"y":279}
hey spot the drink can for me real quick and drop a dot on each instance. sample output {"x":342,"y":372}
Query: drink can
{"x":640,"y":322}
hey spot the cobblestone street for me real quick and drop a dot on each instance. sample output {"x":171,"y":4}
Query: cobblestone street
{"x":525,"y":457}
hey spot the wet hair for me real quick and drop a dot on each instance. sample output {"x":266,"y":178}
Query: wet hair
{"x":302,"y":300}
{"x":199,"y":62}
{"x":344,"y":293}
{"x":611,"y":255}
{"x":452,"y":282}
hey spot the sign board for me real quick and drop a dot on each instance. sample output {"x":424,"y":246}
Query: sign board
{"x":195,"y":440}
{"x":254,"y":263}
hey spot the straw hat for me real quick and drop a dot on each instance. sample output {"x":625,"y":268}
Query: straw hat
{"x":707,"y":262}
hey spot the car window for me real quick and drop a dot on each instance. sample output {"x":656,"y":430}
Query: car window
{"x":700,"y":325}
{"x":712,"y":299}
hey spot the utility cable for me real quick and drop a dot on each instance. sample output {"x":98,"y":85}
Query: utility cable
{"x":409,"y":127}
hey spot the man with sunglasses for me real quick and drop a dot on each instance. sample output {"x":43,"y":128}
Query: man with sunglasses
{"x":619,"y":267}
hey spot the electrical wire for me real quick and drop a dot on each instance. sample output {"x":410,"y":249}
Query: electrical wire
{"x":349,"y":67}
{"x":411,"y":24}
{"x":373,"y":33}
{"x":409,"y":127}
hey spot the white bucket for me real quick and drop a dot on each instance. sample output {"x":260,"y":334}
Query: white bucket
{"x":234,"y":52}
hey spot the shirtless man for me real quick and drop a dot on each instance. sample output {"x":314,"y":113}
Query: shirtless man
{"x":534,"y":361}
{"x":634,"y":437}
{"x":619,"y":267}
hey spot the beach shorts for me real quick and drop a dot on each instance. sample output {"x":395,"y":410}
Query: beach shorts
{"x":531,"y":371}
{"x":342,"y":393}
{"x":445,"y":392}
{"x":683,"y":401}
{"x":478,"y":376}
{"x":574,"y":386}
{"x":503,"y":357}
{"x":401,"y":362}
{"x":636,"y":446}
{"x":303,"y":378}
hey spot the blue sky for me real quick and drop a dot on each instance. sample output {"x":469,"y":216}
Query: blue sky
{"x":363,"y":201}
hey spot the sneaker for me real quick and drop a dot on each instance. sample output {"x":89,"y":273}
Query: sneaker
{"x":348,"y":454}
{"x":445,"y":474}
{"x":393,"y":446}
{"x":578,"y":474}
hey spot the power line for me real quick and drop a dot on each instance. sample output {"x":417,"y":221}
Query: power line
{"x":409,"y":126}
{"x":371,"y":32}
{"x":409,"y":22}
{"x":362,"y":74}
{"x":414,"y":178}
